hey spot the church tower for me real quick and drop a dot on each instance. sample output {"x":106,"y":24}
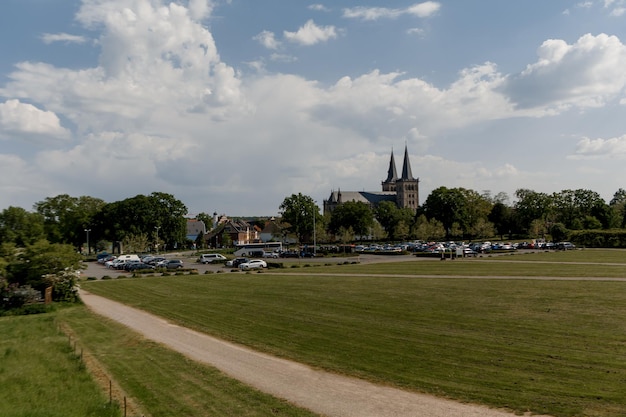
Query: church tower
{"x":407,"y":187}
{"x":392,"y":176}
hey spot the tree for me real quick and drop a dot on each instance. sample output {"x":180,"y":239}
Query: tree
{"x":66,"y":218}
{"x":532,"y":205}
{"x":206,"y":219}
{"x":44,"y":264}
{"x":429,"y":229}
{"x":353,"y":215}
{"x":143,"y":215}
{"x":299,"y":212}
{"x":20,"y":227}
{"x":502,"y":218}
{"x":390,"y":217}
{"x":456,"y":205}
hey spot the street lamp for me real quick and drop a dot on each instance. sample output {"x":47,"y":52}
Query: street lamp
{"x":88,"y":248}
{"x":314,"y":237}
{"x":157,"y":238}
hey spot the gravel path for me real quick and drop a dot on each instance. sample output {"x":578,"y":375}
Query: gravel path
{"x":321,"y":392}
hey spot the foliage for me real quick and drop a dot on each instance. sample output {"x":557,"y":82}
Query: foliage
{"x":457,"y":205}
{"x":20,"y":227}
{"x":396,"y":221}
{"x":612,"y":238}
{"x":353,"y":215}
{"x":38,"y":264}
{"x":157,"y":214}
{"x":66,"y":218}
{"x":559,"y":232}
{"x":429,"y":230}
{"x":298,"y":212}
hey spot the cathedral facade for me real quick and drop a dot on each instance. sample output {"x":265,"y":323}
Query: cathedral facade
{"x":403,"y":190}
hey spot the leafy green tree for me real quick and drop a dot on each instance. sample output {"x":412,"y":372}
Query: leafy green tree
{"x":502,"y":218}
{"x":20,"y":227}
{"x":66,"y":218}
{"x":618,"y":209}
{"x":456,"y":205}
{"x":482,"y":229}
{"x":559,"y":232}
{"x":532,"y":205}
{"x":206,"y":219}
{"x":572,"y":206}
{"x":38,"y":264}
{"x":353,"y":215}
{"x":428,"y":230}
{"x":390,"y":217}
{"x":143,"y":215}
{"x":298,"y":212}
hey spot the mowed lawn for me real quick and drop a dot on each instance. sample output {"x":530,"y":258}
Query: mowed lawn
{"x":545,"y":346}
{"x":42,"y":376}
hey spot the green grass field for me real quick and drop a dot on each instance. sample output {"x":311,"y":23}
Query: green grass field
{"x":553,"y":347}
{"x":42,"y":376}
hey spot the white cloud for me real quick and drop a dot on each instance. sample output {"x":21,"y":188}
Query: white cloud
{"x":267,"y":39}
{"x":587,"y":73}
{"x":318,"y":8}
{"x":48,"y":38}
{"x":22,"y":118}
{"x":311,"y":34}
{"x":415,"y":31}
{"x":613,"y":148}
{"x":422,"y":10}
{"x":200,"y":9}
{"x":618,"y":11}
{"x":425,"y":9}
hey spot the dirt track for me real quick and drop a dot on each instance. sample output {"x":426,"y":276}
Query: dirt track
{"x":321,"y":392}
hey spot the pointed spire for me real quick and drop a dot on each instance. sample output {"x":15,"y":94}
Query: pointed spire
{"x":392,"y":174}
{"x":406,"y":166}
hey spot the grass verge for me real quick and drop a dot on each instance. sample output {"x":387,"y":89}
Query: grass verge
{"x":41,"y":375}
{"x":166,"y":383}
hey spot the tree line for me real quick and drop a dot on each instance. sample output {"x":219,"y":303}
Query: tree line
{"x":459,"y":213}
{"x":44,"y":248}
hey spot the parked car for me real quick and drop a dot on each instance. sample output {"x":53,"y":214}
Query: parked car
{"x":106,"y":259}
{"x":236,"y":262}
{"x":155,"y":261}
{"x":565,"y":246}
{"x":289,"y":254}
{"x":170,"y":264}
{"x":253,"y":264}
{"x":270,"y":254}
{"x":129,"y":264}
{"x":139,"y":266}
{"x":209,"y":258}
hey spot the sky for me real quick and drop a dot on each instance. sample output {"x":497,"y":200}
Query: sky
{"x":233,"y":105}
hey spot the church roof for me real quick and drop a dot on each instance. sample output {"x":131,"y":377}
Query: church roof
{"x":392,"y":174}
{"x":406,"y":166}
{"x":368,"y":197}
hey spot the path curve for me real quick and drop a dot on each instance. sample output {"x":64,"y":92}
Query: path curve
{"x":321,"y":392}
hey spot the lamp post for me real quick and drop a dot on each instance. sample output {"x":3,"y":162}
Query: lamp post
{"x":314,"y":231}
{"x":157,"y":238}
{"x":88,"y":248}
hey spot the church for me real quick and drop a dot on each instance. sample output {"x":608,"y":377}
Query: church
{"x":403,"y":190}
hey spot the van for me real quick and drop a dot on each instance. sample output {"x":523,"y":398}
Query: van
{"x":129,"y":257}
{"x":209,"y":258}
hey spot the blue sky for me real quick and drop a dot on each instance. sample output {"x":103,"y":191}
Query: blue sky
{"x":231,"y":106}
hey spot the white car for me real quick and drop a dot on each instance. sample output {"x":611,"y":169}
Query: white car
{"x":209,"y":258}
{"x":270,"y":255}
{"x":253,"y":264}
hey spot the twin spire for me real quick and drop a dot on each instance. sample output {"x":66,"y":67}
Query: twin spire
{"x":392,"y":174}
